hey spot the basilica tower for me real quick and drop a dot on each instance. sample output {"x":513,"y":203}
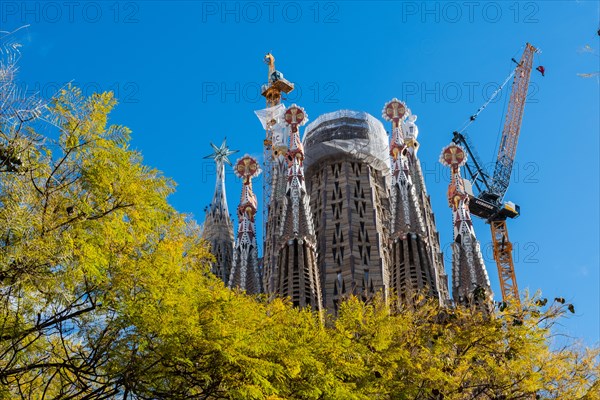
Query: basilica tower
{"x":218,"y":227}
{"x":245,"y":271}
{"x":470,"y":282}
{"x":297,"y":269}
{"x":347,"y":173}
{"x":412,"y":268}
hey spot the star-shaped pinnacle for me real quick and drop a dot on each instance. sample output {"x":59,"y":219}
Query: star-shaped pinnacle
{"x":221,"y":154}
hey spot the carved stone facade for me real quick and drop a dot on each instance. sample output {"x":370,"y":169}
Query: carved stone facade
{"x":349,"y":214}
{"x":416,"y":266}
{"x":347,"y":173}
{"x":218,"y":227}
{"x":245,"y":270}
{"x":470,"y":281}
{"x":411,"y":133}
{"x":297,"y":270}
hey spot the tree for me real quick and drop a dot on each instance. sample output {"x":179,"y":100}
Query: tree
{"x":105,"y":292}
{"x":88,"y":247}
{"x":424,"y":352}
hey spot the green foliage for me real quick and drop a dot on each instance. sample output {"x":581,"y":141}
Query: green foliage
{"x":105,"y":292}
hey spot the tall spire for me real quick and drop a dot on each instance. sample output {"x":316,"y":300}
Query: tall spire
{"x":411,"y":133}
{"x":412,"y":269}
{"x":470,"y":282}
{"x":275,"y":168}
{"x":298,"y":273}
{"x":272,"y":119}
{"x":245,"y":273}
{"x":218,"y":228}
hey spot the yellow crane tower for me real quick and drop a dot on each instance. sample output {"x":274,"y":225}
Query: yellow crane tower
{"x":488,"y":202}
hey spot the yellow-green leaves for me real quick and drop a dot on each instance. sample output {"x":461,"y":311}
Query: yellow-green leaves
{"x":91,"y":256}
{"x":105,"y":292}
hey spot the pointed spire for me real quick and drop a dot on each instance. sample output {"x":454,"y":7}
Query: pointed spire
{"x":412,"y":269}
{"x":218,"y":206}
{"x":410,"y":132}
{"x":406,"y":212}
{"x":298,"y":273}
{"x":470,"y":282}
{"x":218,"y":227}
{"x":245,"y":272}
{"x":295,"y":188}
{"x":275,"y":169}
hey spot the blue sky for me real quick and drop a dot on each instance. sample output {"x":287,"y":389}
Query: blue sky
{"x":188,"y":73}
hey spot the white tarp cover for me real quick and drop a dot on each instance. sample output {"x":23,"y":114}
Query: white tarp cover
{"x":355,"y":133}
{"x":281,"y":134}
{"x":281,"y":130}
{"x":267,"y":114}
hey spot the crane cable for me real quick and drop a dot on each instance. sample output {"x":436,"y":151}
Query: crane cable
{"x":473,"y":117}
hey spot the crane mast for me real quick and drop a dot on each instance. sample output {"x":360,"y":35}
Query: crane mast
{"x":488,"y":203}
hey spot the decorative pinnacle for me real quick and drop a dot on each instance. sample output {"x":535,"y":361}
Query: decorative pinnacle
{"x":394,"y":111}
{"x":295,"y":116}
{"x":453,"y":156}
{"x":221,"y":154}
{"x":247,"y":168}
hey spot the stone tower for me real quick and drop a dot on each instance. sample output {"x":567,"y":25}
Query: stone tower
{"x":412,"y":269}
{"x":347,"y":173}
{"x":272,"y":119}
{"x":297,"y":271}
{"x":218,"y":227}
{"x":470,"y":282}
{"x":245,"y":271}
{"x":432,"y":236}
{"x":275,"y":167}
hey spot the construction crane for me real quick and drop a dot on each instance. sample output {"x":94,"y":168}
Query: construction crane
{"x":487,"y":200}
